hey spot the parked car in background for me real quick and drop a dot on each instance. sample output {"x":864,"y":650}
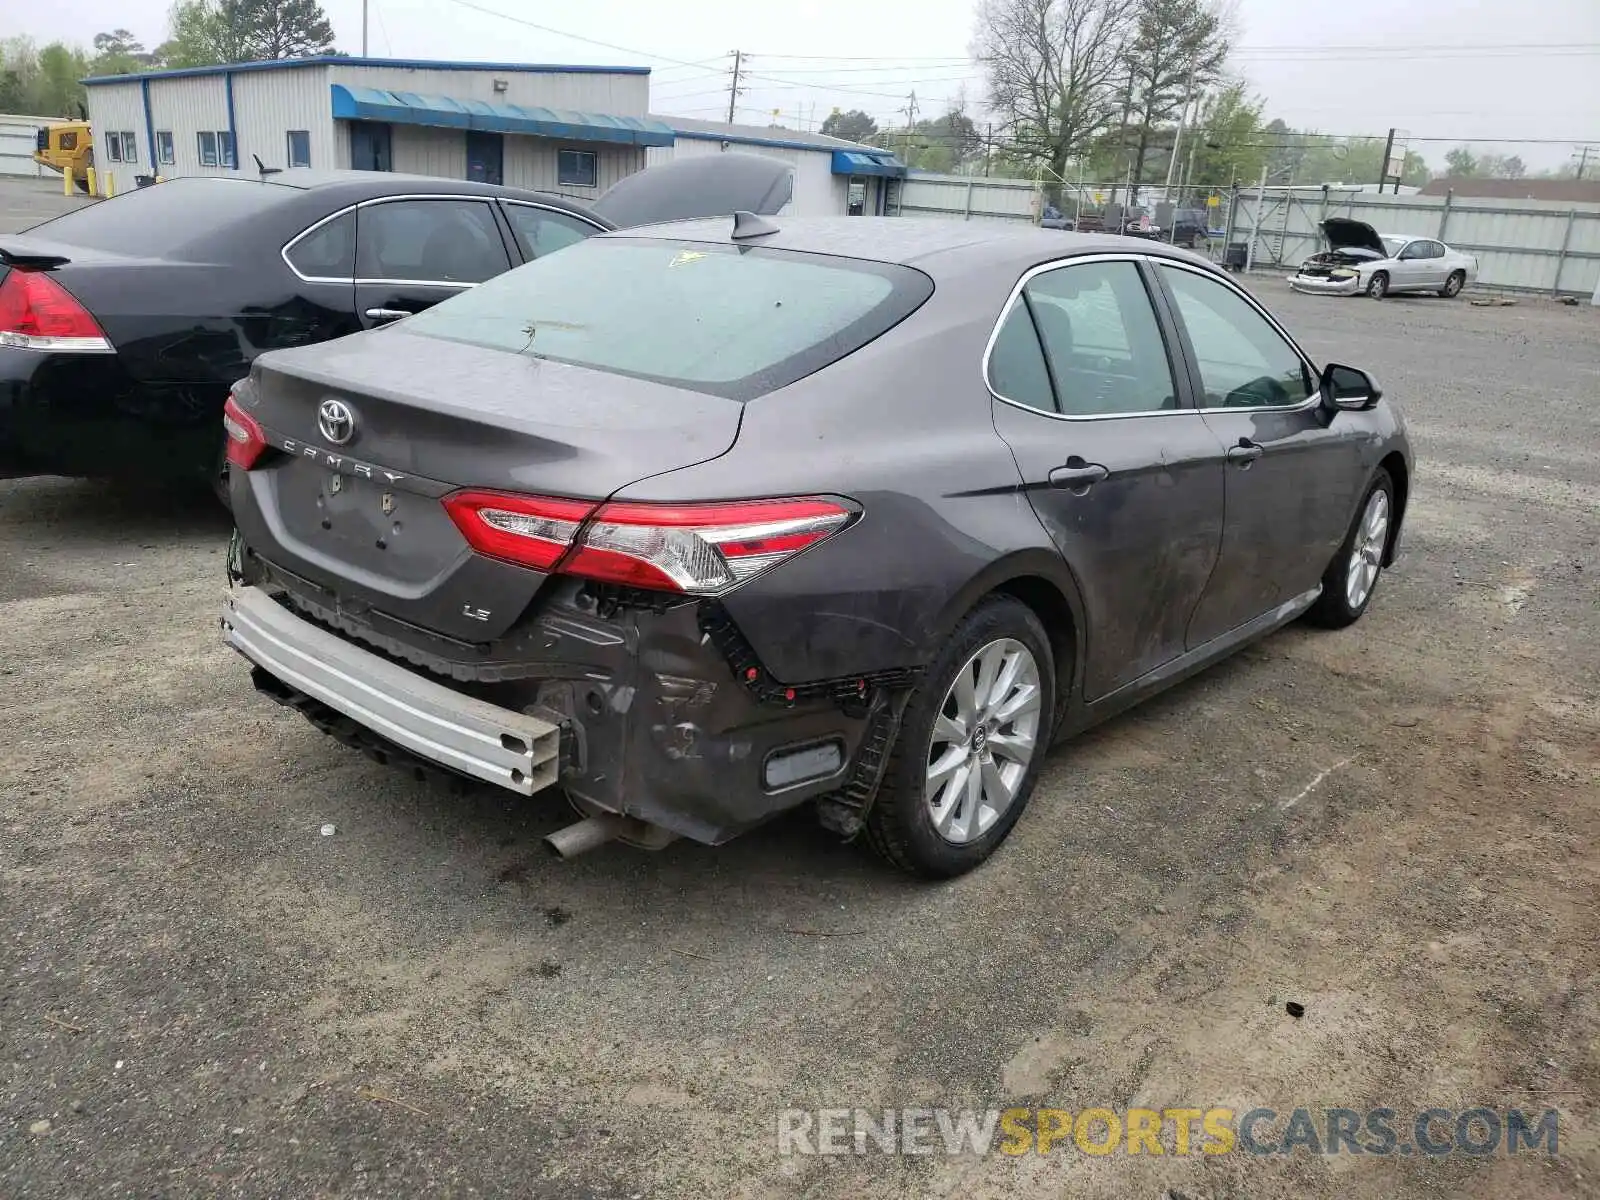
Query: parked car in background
{"x":1361,"y":261}
{"x":124,"y":323}
{"x":1190,"y":227}
{"x":554,"y":532}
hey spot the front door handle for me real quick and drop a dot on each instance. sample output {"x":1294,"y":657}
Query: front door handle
{"x":386,"y":314}
{"x":1245,"y":453}
{"x":1077,"y":476}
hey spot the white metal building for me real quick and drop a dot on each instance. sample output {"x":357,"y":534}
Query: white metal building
{"x":832,"y":177}
{"x":569,"y":129}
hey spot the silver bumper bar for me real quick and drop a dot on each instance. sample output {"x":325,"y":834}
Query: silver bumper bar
{"x":473,"y":737}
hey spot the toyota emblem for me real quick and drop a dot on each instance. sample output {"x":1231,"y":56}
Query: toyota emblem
{"x":336,"y":421}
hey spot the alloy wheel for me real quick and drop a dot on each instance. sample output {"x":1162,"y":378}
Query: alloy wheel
{"x":985,"y":735}
{"x":1366,"y":553}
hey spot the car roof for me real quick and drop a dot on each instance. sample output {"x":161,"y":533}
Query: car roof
{"x":357,"y":185}
{"x":941,"y":248}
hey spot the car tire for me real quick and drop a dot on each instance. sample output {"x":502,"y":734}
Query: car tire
{"x":219,"y":479}
{"x":1378,"y":285}
{"x":1342,"y":602}
{"x":1453,"y":285}
{"x":958,"y":826}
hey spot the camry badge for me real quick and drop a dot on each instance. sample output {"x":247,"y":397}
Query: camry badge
{"x":336,"y":422}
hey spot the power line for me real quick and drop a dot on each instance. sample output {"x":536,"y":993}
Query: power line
{"x":574,"y":36}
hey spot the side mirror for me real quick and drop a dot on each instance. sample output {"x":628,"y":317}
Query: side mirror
{"x":1349,"y":388}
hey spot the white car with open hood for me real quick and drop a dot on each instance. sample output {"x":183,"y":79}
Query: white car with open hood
{"x":1360,"y":261}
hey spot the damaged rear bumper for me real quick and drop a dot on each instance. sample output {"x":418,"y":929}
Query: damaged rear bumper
{"x":656,"y":713}
{"x":509,"y":749}
{"x":1324,"y":285}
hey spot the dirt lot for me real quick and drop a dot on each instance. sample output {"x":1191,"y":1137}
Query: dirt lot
{"x":1393,"y":825}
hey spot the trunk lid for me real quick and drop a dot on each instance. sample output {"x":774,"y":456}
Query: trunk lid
{"x":1344,"y":233}
{"x":703,"y":186}
{"x":362,"y":518}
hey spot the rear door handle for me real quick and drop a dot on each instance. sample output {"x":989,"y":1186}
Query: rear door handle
{"x":1077,"y":476}
{"x":1245,"y":453}
{"x":386,"y":314}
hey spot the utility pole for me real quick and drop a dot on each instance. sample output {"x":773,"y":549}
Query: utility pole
{"x":733,"y":91}
{"x":364,"y":29}
{"x":1583,"y":159}
{"x":1383,"y":167}
{"x":1177,"y":137}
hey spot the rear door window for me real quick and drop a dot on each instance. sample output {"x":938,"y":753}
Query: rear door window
{"x":734,"y":321}
{"x":1099,"y":330}
{"x":541,"y":231}
{"x":328,"y":251}
{"x":429,"y":241}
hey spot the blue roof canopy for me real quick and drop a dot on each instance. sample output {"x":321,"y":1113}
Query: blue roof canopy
{"x":409,"y":108}
{"x":853,"y":162}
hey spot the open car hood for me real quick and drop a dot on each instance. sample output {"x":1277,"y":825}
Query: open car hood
{"x":1344,"y":234}
{"x":706,"y":185}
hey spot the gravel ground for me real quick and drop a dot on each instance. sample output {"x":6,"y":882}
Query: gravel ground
{"x":1392,"y":825}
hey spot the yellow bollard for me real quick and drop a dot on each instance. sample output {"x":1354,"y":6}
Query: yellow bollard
{"x":89,"y":172}
{"x":111,"y":185}
{"x":66,"y":182}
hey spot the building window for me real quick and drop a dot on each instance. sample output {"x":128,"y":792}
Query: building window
{"x":121,"y":147}
{"x":299,"y":148}
{"x":216,"y":148}
{"x":577,"y":168}
{"x":165,"y":153}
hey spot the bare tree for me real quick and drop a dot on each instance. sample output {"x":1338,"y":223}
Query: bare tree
{"x":1052,"y":68}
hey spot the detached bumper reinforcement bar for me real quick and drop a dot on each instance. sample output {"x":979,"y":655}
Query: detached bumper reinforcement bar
{"x":494,"y":744}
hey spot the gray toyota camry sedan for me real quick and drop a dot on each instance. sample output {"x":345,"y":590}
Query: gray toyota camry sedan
{"x":703,"y":521}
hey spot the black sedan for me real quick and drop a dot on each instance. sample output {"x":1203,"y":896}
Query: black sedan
{"x":708,"y":520}
{"x":123,"y":324}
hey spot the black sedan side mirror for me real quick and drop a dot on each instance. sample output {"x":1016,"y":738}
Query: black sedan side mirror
{"x":1349,"y":388}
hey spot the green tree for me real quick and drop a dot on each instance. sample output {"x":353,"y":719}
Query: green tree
{"x":944,"y":144}
{"x":1460,"y":163}
{"x":206,"y":32}
{"x":1227,"y":142}
{"x":283,"y":28}
{"x":852,"y":126}
{"x":1177,"y":46}
{"x":118,"y":53}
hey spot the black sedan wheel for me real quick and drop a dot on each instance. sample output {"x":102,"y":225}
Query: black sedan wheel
{"x":970,"y":745}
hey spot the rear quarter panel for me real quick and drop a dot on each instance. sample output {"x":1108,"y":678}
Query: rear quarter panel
{"x":904,"y":428}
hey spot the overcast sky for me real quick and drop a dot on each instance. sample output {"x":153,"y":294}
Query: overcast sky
{"x":1450,"y":69}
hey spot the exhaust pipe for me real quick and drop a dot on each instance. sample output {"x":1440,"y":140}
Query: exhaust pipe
{"x":585,"y":835}
{"x":597,"y":830}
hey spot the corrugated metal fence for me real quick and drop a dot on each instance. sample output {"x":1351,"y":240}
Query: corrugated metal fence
{"x":18,"y":140}
{"x":969,"y":198}
{"x":1520,"y":245}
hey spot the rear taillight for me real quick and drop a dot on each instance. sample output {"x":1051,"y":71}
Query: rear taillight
{"x":531,"y":531}
{"x":246,"y":440}
{"x":37,"y":313}
{"x":701,"y":549}
{"x":696,"y":549}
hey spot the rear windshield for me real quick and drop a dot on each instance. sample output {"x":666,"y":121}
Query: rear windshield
{"x":734,"y":321}
{"x":154,"y":221}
